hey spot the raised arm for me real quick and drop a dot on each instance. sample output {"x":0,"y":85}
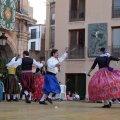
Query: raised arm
{"x":62,"y":58}
{"x":114,"y":58}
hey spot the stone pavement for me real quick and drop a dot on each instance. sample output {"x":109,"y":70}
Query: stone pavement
{"x":60,"y":110}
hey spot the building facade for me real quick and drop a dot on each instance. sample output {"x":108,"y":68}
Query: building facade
{"x":17,"y":39}
{"x":36,"y":43}
{"x":83,"y":26}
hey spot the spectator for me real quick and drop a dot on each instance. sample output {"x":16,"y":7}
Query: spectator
{"x":76,"y":96}
{"x":68,"y":95}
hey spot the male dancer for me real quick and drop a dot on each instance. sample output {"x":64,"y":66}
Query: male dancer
{"x":27,"y":78}
{"x":51,"y":83}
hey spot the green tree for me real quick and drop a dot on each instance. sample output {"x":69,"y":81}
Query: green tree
{"x":3,"y":69}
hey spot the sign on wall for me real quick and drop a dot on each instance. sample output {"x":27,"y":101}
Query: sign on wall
{"x":97,"y":38}
{"x":7,"y":14}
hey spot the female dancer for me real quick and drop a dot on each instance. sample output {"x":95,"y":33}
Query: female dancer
{"x":39,"y":82}
{"x":105,"y":83}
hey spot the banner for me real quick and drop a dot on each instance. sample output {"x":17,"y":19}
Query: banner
{"x":7,"y":14}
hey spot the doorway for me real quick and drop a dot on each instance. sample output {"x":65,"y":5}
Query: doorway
{"x":76,"y":83}
{"x":6,"y":52}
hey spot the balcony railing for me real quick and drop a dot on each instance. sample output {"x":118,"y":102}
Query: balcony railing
{"x":82,"y":53}
{"x":76,"y":16}
{"x":116,"y":12}
{"x":77,"y":53}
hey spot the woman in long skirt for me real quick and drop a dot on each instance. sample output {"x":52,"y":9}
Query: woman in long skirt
{"x":39,"y":83}
{"x":105,"y":83}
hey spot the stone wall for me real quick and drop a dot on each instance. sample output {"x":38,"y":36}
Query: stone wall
{"x":17,"y":40}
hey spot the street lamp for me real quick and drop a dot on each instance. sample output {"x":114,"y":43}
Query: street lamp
{"x":3,"y":39}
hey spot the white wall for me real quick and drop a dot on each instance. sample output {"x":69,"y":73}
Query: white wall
{"x":38,"y":37}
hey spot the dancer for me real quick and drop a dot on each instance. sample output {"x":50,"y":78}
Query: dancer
{"x":39,"y":82}
{"x":11,"y":82}
{"x":105,"y":83}
{"x":51,"y":83}
{"x":27,"y":79}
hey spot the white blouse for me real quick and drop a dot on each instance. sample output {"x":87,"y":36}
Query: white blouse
{"x":51,"y":62}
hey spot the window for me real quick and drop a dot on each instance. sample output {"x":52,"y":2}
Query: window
{"x":116,"y":9}
{"x":52,"y":37}
{"x":32,"y":45}
{"x":77,"y":10}
{"x":116,"y":42}
{"x":18,"y":6}
{"x":77,"y":44}
{"x":33,"y":33}
{"x":52,"y":13}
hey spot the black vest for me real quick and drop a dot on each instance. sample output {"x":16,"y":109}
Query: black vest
{"x":27,"y":63}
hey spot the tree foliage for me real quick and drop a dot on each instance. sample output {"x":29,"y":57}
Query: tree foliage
{"x":3,"y":69}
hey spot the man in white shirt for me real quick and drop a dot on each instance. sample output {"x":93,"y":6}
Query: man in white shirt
{"x":51,"y":83}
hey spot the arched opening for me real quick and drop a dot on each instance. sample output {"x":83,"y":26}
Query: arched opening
{"x":6,"y":52}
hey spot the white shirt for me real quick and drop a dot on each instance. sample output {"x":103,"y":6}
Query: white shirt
{"x":51,"y":62}
{"x":19,"y":62}
{"x":77,"y":96}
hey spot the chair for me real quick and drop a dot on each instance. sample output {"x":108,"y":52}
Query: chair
{"x":63,"y":92}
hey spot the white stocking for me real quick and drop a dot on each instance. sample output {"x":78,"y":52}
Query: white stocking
{"x":30,"y":96}
{"x":50,"y":95}
{"x":14,"y":96}
{"x":26,"y":92}
{"x":8,"y":96}
{"x":43,"y":97}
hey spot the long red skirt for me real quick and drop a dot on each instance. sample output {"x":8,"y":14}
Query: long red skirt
{"x":39,"y":83}
{"x":27,"y":80}
{"x":104,"y":85}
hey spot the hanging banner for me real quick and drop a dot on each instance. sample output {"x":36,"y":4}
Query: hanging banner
{"x":7,"y":14}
